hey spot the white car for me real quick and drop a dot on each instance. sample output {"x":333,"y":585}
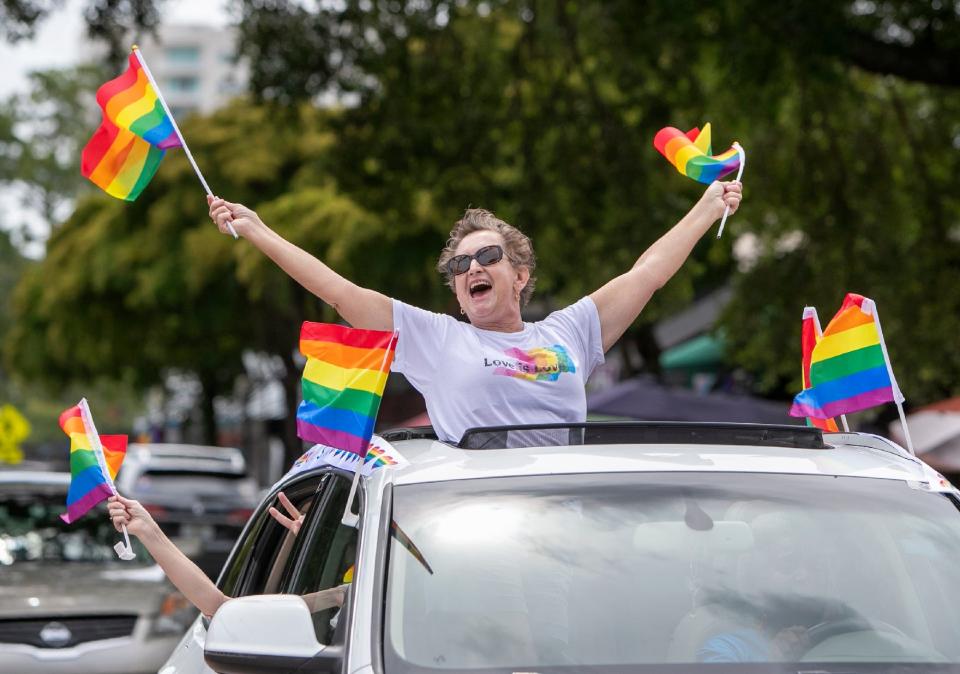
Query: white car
{"x":67,"y":604}
{"x":633,"y":547}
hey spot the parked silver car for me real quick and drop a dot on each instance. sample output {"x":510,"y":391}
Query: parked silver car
{"x":67,"y":604}
{"x":630,"y":548}
{"x":200,"y":496}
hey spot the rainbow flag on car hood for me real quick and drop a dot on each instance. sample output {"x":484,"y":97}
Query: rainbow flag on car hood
{"x":343,"y":382}
{"x":94,"y":461}
{"x":849,"y":366}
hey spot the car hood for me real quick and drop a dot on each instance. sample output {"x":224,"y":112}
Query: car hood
{"x":33,"y":589}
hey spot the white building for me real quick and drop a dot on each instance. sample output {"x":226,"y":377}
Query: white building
{"x":195,"y":67}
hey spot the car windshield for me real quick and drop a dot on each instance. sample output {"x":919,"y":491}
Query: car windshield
{"x":625,"y":572}
{"x":31,"y":531}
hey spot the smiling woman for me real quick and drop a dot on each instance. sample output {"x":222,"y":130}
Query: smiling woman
{"x":495,"y":369}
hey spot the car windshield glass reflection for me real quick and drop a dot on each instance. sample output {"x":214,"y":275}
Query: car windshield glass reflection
{"x":31,"y":531}
{"x":624,"y":570}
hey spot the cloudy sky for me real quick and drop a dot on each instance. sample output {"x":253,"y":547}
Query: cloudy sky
{"x":57,"y":43}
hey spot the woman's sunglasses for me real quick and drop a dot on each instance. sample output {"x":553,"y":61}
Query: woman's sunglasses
{"x":486,"y":256}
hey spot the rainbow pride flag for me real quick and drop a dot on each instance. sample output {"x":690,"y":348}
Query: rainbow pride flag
{"x":125,"y":152}
{"x":810,"y":334}
{"x":691,"y":153}
{"x":343,"y":382}
{"x":94,"y":461}
{"x":849,"y":366}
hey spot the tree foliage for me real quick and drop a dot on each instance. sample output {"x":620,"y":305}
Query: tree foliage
{"x":108,"y":21}
{"x":543,"y":112}
{"x":128,"y":291}
{"x":41,"y":135}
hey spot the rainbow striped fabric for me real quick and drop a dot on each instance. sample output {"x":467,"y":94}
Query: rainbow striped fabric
{"x":849,"y":366}
{"x":125,"y":152}
{"x":343,"y":382}
{"x":691,"y":153}
{"x":810,"y":334}
{"x":93,"y":465}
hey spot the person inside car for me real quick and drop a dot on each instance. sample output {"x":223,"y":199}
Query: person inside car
{"x":494,"y":369}
{"x":785,"y":594}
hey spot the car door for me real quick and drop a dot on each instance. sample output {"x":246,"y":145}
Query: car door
{"x":262,"y":559}
{"x":323,"y":570}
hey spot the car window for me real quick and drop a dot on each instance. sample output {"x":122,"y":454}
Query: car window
{"x":326,"y":554}
{"x":32,"y":533}
{"x":564,"y":573}
{"x":264,"y":552}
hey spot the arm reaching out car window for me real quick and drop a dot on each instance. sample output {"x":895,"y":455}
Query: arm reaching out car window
{"x":187,"y":576}
{"x":182,"y":572}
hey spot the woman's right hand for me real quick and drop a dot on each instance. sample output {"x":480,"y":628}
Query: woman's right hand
{"x":243,"y":219}
{"x":129,"y":513}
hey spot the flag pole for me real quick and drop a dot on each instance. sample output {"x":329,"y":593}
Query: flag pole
{"x":898,"y":398}
{"x":176,"y":129}
{"x":123,"y":552}
{"x":350,"y":518}
{"x":726,"y":211}
{"x":812,"y":313}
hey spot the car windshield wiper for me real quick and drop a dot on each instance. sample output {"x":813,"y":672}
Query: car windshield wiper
{"x":411,"y":547}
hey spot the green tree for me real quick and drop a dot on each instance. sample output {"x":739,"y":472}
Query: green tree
{"x":544,"y":111}
{"x":42,"y":135}
{"x":109,"y":21}
{"x":129,"y":291}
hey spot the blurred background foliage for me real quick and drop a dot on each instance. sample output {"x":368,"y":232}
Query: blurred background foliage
{"x":544,"y":112}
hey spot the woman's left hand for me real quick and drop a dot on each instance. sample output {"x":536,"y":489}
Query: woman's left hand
{"x":719,"y":195}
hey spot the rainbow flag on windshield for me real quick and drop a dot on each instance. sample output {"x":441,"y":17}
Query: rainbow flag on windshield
{"x":125,"y":152}
{"x":343,"y":382}
{"x":94,"y":461}
{"x":849,"y":366}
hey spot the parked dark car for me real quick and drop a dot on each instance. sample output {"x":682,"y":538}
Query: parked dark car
{"x":200,"y":496}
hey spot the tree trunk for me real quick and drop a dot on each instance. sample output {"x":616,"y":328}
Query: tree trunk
{"x":292,"y":445}
{"x":208,"y":416}
{"x":648,"y":347}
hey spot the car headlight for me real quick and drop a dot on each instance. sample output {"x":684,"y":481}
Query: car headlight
{"x":175,"y":614}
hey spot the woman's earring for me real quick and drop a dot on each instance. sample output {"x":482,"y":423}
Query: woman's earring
{"x":463,"y":311}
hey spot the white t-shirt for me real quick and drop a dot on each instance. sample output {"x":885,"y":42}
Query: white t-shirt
{"x":472,"y":377}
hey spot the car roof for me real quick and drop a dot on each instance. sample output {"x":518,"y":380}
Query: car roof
{"x":838,"y":454}
{"x":173,"y":456}
{"x":34,"y":477}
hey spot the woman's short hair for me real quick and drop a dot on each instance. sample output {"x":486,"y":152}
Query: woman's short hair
{"x":517,"y":246}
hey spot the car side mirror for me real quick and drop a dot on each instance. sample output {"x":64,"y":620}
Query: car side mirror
{"x":267,"y":633}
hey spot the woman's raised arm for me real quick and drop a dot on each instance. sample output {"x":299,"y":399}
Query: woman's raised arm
{"x":360,"y":307}
{"x":620,"y":301}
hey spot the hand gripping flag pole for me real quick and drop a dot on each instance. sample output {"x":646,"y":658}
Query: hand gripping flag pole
{"x":124,"y":550}
{"x":176,"y":129}
{"x":726,"y":211}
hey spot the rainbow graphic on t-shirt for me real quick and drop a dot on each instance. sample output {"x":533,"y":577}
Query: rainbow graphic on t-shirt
{"x":540,"y":364}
